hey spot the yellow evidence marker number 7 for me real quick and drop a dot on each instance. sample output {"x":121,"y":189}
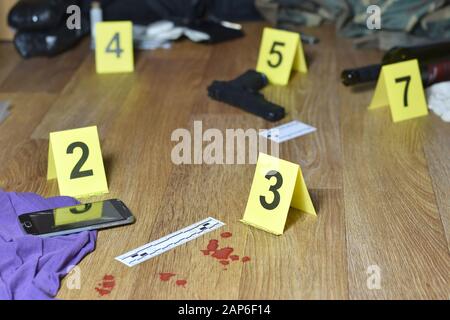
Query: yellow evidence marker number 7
{"x":400,"y":86}
{"x":75,"y":160}
{"x":277,"y":185}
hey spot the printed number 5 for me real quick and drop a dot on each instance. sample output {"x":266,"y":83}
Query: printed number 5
{"x":274,"y":189}
{"x":76,"y":173}
{"x":276,"y":52}
{"x":406,"y":79}
{"x":115,"y":41}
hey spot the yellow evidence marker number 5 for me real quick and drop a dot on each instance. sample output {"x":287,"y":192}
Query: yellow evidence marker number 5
{"x":277,"y":185}
{"x":114,"y":47}
{"x":280,"y":52}
{"x":75,"y":160}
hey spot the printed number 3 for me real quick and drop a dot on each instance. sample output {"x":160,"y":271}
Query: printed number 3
{"x":274,"y":189}
{"x":86,"y":208}
{"x":406,"y":79}
{"x":274,"y":51}
{"x":76,"y":173}
{"x":114,"y":45}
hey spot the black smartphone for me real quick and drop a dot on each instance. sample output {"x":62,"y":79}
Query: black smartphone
{"x":66,"y":220}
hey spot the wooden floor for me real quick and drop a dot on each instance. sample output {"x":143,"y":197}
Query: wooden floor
{"x":382,"y":190}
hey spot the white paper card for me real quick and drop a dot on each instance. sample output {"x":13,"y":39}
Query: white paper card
{"x":287,"y":131}
{"x":169,"y":242}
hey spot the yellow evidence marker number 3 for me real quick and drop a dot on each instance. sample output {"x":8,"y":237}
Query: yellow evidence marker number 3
{"x":75,"y":160}
{"x":400,"y":86}
{"x":114,"y":47}
{"x":280,"y":52}
{"x":277,"y":185}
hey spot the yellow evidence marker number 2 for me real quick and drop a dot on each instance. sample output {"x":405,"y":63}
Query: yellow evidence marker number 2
{"x":280,"y":52}
{"x":400,"y":86}
{"x":75,"y":160}
{"x":114,"y":47}
{"x":277,"y":185}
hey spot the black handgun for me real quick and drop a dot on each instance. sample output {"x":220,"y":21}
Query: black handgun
{"x":243,"y":92}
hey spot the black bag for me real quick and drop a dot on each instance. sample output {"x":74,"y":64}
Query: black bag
{"x":38,"y":14}
{"x":47,"y":42}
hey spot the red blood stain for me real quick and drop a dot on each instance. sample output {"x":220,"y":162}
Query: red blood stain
{"x":165,"y":276}
{"x":109,"y":285}
{"x":102,"y":292}
{"x":226,"y":234}
{"x":106,"y":286}
{"x":181,"y":283}
{"x":213,"y":245}
{"x":234,"y":257}
{"x":223,"y":254}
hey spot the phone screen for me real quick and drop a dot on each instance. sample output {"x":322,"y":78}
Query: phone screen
{"x":74,"y":217}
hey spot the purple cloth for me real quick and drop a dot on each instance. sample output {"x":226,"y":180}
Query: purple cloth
{"x":32,"y":267}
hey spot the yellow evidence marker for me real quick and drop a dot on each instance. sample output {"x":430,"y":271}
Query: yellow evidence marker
{"x":280,"y":52}
{"x":114,"y":47}
{"x":80,"y":213}
{"x":75,"y":160}
{"x":277,"y":185}
{"x":400,"y":86}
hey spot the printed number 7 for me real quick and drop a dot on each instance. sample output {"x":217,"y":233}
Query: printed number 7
{"x":406,"y":79}
{"x":274,"y":189}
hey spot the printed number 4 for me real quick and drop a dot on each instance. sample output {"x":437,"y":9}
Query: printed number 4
{"x":274,"y":189}
{"x":274,"y":51}
{"x":76,"y":173}
{"x":114,"y":45}
{"x":406,"y":79}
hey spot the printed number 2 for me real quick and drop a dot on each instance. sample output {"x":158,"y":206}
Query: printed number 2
{"x":274,"y":189}
{"x":406,"y":79}
{"x":76,"y":173}
{"x":115,"y":41}
{"x":276,"y":52}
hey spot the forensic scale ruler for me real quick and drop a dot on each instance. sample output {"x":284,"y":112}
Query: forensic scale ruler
{"x":169,"y":242}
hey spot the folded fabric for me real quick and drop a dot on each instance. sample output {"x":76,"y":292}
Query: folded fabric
{"x":438,"y":96}
{"x":403,"y":23}
{"x":32,"y":267}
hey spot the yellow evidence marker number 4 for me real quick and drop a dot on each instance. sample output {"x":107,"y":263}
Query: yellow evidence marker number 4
{"x":277,"y":185}
{"x":114,"y":47}
{"x":400,"y":86}
{"x":75,"y":160}
{"x":280,"y":52}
